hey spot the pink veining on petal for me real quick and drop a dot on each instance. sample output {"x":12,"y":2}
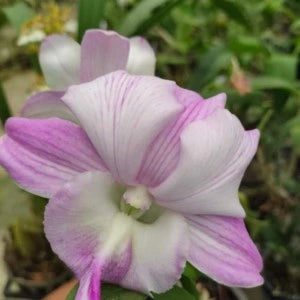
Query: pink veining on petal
{"x":90,"y":283}
{"x":109,"y":269}
{"x":214,"y":155}
{"x":222,"y":248}
{"x":43,"y":154}
{"x":122,"y":114}
{"x":77,"y":223}
{"x":162,"y":155}
{"x":115,"y":269}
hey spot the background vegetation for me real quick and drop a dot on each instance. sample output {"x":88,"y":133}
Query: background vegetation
{"x":248,"y":49}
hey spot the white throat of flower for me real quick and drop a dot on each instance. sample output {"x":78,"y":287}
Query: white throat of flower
{"x":138,"y":203}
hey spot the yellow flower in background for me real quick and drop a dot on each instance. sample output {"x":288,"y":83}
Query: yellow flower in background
{"x":52,"y":19}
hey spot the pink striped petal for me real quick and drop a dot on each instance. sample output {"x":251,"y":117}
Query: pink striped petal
{"x":60,"y":61}
{"x":221,"y":248}
{"x":46,"y":105}
{"x":122,"y":114}
{"x":41,"y":155}
{"x":162,"y":156}
{"x":90,"y":283}
{"x":141,"y":60}
{"x":98,"y":242}
{"x":78,"y":221}
{"x":102,"y":52}
{"x":214,"y":155}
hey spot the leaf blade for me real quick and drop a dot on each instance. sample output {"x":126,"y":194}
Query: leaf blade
{"x":111,"y":292}
{"x":141,"y":16}
{"x":90,"y":14}
{"x":4,"y":108}
{"x":17,"y":14}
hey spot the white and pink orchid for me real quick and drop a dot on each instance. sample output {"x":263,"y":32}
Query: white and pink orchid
{"x":64,"y":63}
{"x":146,"y":179}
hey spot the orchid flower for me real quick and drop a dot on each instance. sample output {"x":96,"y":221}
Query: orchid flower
{"x":64,"y":63}
{"x":146,"y":180}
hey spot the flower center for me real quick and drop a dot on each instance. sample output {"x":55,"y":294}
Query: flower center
{"x":138,"y":203}
{"x":138,"y":197}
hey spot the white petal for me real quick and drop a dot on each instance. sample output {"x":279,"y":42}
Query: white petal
{"x":122,"y":114}
{"x":78,"y":220}
{"x":141,"y":60}
{"x":60,"y":61}
{"x":214,"y":155}
{"x":87,"y":231}
{"x":163,"y":155}
{"x":47,"y":104}
{"x":159,"y":254}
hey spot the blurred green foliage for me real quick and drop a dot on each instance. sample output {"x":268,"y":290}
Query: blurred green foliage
{"x":4,"y":108}
{"x":90,"y":14}
{"x":250,"y":50}
{"x":17,"y":14}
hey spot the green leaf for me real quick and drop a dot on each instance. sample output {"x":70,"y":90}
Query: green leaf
{"x":14,"y":203}
{"x":163,"y":59}
{"x":115,"y":292}
{"x":112,"y":292}
{"x":17,"y":14}
{"x":295,"y":27}
{"x":268,"y":83}
{"x":72,"y":293}
{"x":190,"y":286}
{"x":282,"y":66}
{"x":90,"y":14}
{"x":157,"y":16}
{"x":142,"y":15}
{"x":3,"y":18}
{"x":191,"y":272}
{"x":247,"y":44}
{"x":176,"y":293}
{"x":210,"y":64}
{"x":294,"y":130}
{"x":4,"y":108}
{"x":22,"y":240}
{"x":235,"y":11}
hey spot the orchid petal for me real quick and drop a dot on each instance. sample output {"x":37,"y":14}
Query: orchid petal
{"x":157,"y":263}
{"x":41,"y":155}
{"x":221,"y":248}
{"x":163,"y":154}
{"x":60,"y":61}
{"x":121,"y":115}
{"x":78,"y":220}
{"x":47,"y":104}
{"x":141,"y":60}
{"x":90,"y":283}
{"x":214,"y":155}
{"x":102,"y":52}
{"x":87,"y":231}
